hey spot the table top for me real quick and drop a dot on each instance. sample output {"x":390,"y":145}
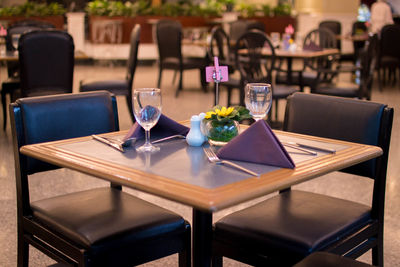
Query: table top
{"x":182,"y":173}
{"x":305,"y":53}
{"x":13,"y":56}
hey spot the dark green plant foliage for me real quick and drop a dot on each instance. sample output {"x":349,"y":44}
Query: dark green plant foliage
{"x":30,"y":9}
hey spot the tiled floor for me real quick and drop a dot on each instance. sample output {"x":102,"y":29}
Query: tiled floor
{"x":190,"y":101}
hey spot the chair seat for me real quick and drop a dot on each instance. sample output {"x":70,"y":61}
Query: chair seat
{"x":325,"y":259}
{"x":188,"y":63}
{"x":343,"y":91}
{"x":117,"y":87}
{"x":308,"y":78}
{"x":388,"y":61}
{"x":95,"y":216}
{"x":13,"y":82}
{"x":283,"y":91}
{"x":298,"y":221}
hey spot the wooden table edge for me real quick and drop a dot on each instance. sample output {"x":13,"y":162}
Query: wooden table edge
{"x":196,"y":196}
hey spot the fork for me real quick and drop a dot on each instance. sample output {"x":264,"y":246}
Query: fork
{"x":213,"y":158}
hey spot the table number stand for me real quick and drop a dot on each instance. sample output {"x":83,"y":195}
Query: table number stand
{"x":217,"y":74}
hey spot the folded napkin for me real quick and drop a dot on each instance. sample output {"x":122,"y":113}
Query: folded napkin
{"x":164,"y":127}
{"x":312,"y":47}
{"x":257,"y":144}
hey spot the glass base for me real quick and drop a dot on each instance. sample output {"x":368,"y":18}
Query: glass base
{"x":148,"y":148}
{"x":217,"y":143}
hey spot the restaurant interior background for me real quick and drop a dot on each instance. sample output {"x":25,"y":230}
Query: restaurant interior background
{"x":308,"y":13}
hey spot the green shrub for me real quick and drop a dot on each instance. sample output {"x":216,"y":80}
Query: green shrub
{"x":33,"y":9}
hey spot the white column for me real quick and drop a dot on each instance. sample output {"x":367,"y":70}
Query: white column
{"x":76,"y":28}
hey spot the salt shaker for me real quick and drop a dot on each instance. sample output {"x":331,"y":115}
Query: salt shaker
{"x":195,"y":136}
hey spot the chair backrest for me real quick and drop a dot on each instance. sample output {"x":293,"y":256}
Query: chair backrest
{"x":358,"y":27}
{"x":168,"y":34}
{"x":57,"y":117}
{"x":239,"y":27}
{"x":133,"y":54}
{"x":18,"y":28}
{"x":389,"y":41}
{"x":322,"y":37}
{"x":368,"y":59}
{"x":253,"y":65}
{"x":47,"y":62}
{"x":351,"y":120}
{"x":336,"y":27}
{"x":218,"y":44}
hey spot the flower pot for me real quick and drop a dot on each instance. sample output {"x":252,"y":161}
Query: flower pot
{"x":219,"y":133}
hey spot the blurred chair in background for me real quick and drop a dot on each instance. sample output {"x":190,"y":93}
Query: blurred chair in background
{"x":315,"y":69}
{"x":10,"y":85}
{"x":121,"y":86}
{"x":389,"y":53}
{"x":168,"y":34}
{"x":360,"y":88}
{"x":46,"y":60}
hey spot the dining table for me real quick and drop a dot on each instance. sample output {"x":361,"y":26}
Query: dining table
{"x":290,"y":55}
{"x":183,"y":174}
{"x":7,"y":56}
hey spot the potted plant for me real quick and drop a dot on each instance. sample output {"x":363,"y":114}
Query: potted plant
{"x":189,"y":14}
{"x":53,"y":13}
{"x":221,"y":124}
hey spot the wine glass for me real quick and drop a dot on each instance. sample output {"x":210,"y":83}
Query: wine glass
{"x":258,"y":99}
{"x":147,"y":111}
{"x":275,"y":39}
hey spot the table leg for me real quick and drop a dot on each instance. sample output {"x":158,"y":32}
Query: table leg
{"x":289,"y":71}
{"x":202,"y":238}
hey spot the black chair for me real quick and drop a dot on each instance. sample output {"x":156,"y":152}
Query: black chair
{"x":168,"y":34}
{"x":238,"y":27}
{"x":358,"y":28}
{"x":325,"y":259}
{"x":256,"y":67}
{"x":312,"y":69}
{"x":336,"y":27}
{"x":286,"y":228}
{"x":46,"y":61}
{"x":96,"y":227}
{"x":121,"y":86}
{"x":219,"y":46}
{"x":10,"y":85}
{"x":389,"y":54}
{"x":363,"y":88}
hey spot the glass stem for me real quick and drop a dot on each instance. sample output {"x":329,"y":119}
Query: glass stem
{"x":147,"y":135}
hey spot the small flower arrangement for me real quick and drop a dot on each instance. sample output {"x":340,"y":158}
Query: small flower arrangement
{"x":221,"y":124}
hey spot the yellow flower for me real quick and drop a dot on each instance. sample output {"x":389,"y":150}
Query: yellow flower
{"x":209,"y":114}
{"x":224,"y":111}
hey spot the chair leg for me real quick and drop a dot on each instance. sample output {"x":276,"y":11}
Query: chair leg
{"x":276,"y":110}
{"x":203,"y":79}
{"x":130,"y":107}
{"x":377,"y":252}
{"x":229,"y":96}
{"x":180,"y":83}
{"x":217,"y":261}
{"x":185,"y":257}
{"x":4,"y":103}
{"x":23,"y":252}
{"x":174,"y":77}
{"x":159,"y":77}
{"x":380,"y":79}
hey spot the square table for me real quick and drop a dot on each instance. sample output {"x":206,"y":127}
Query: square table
{"x":182,"y":173}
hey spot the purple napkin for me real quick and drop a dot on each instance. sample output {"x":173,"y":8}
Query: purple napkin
{"x":164,"y":127}
{"x":257,"y":144}
{"x":312,"y":47}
